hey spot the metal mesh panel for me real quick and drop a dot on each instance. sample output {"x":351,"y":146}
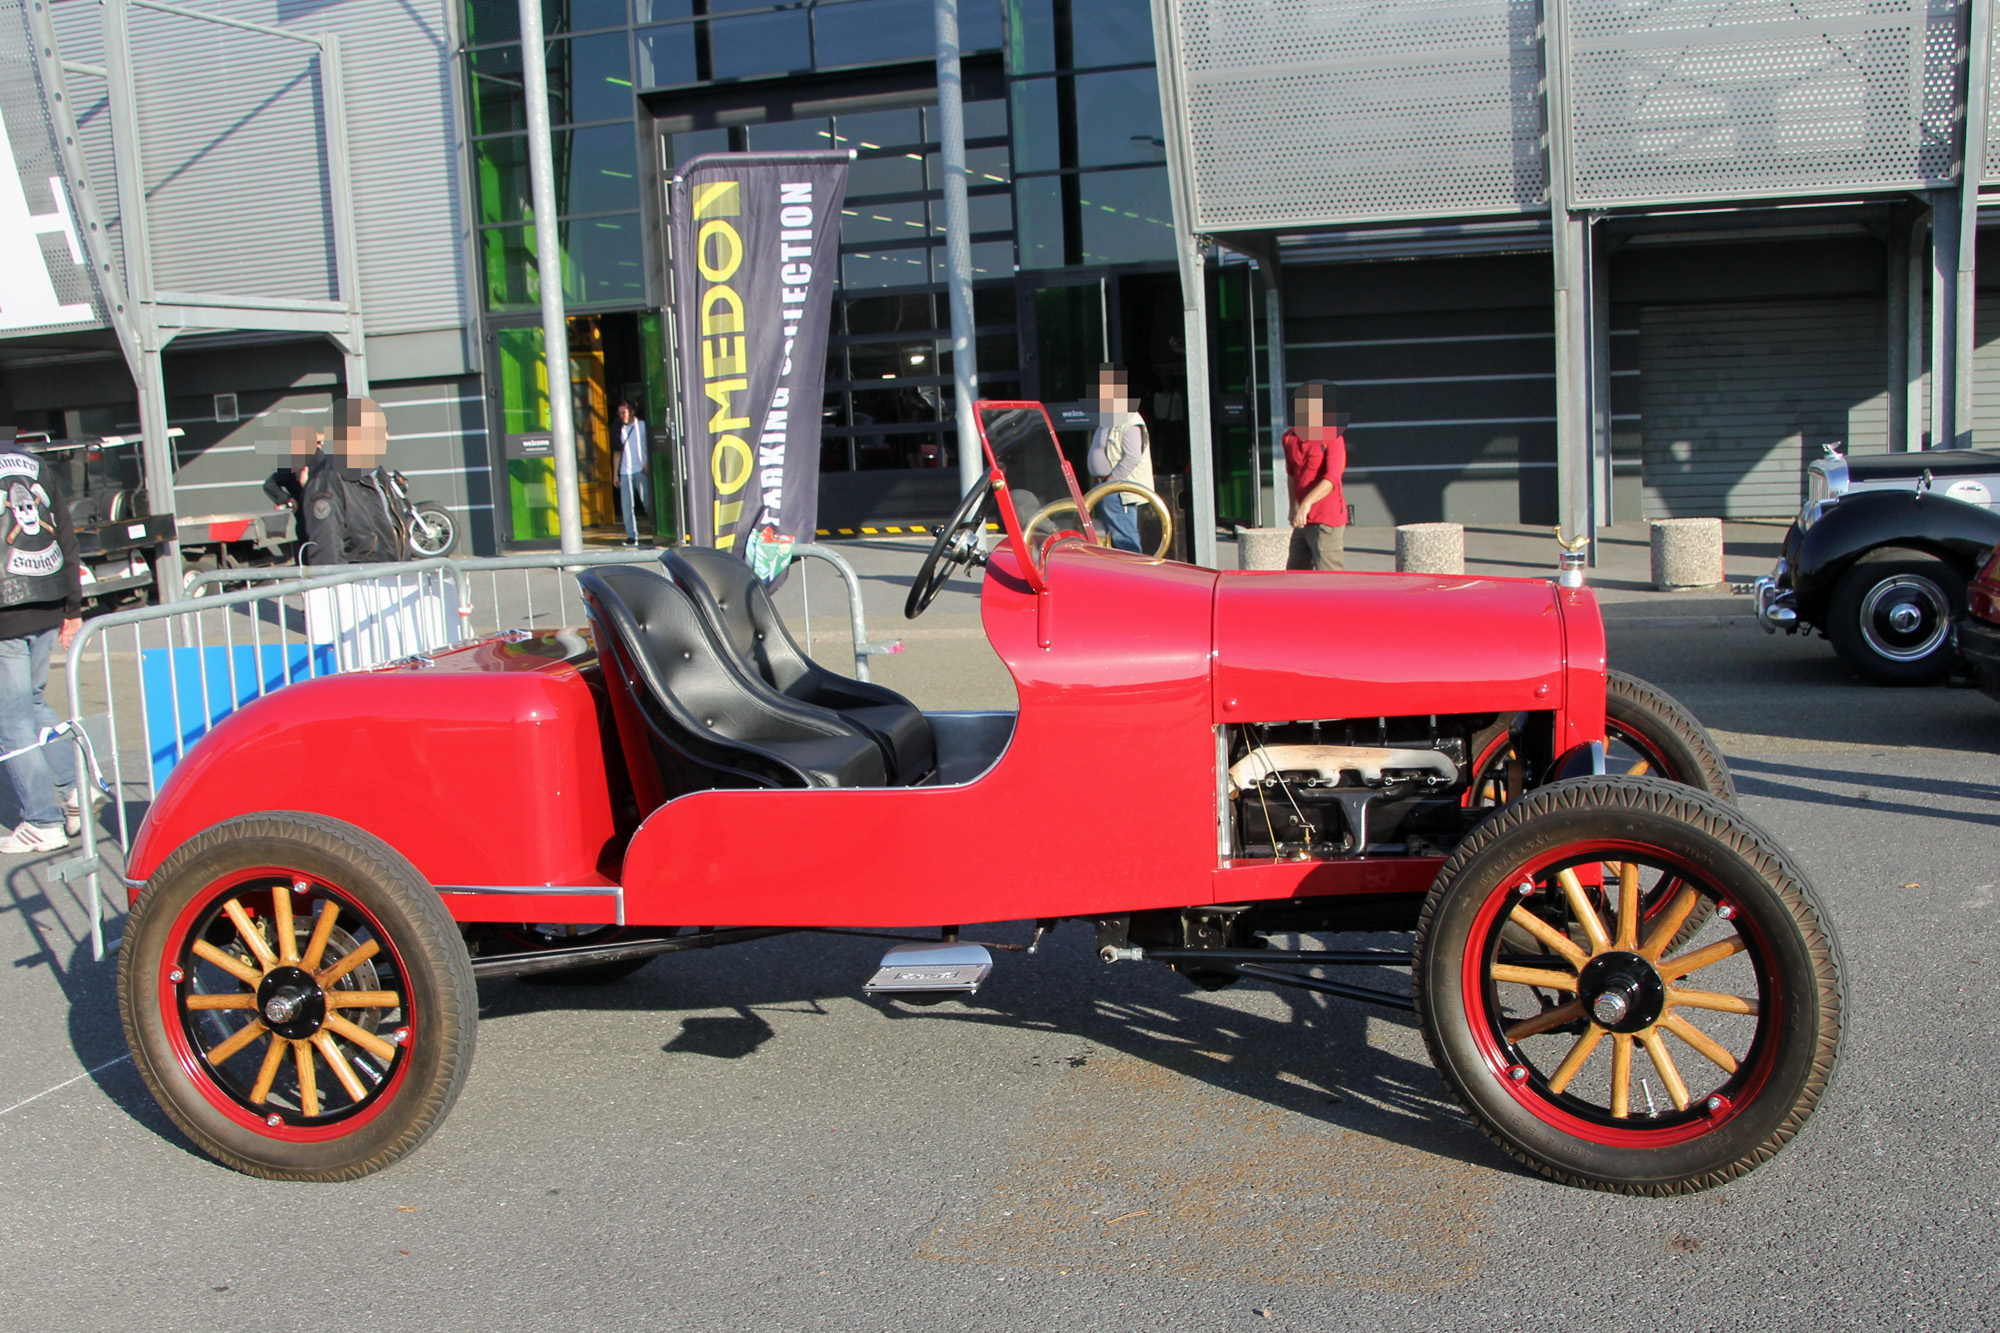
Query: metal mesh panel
{"x":238,"y":199}
{"x":1991,"y":168}
{"x":48,"y":282}
{"x":1307,"y":112}
{"x":1709,"y":99}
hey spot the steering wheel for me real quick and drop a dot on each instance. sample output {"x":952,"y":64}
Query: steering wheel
{"x":957,"y":545}
{"x":1048,"y":512}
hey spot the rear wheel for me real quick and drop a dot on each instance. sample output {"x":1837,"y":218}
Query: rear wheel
{"x":1560,"y":1047}
{"x":297,"y":998}
{"x":1648,"y":732}
{"x":433,"y":531}
{"x":1890,"y":616}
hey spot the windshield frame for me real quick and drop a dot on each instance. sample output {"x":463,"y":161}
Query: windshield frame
{"x":1003,"y":496}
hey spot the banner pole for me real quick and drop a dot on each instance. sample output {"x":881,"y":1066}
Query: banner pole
{"x":957,"y":246}
{"x":549,"y":270}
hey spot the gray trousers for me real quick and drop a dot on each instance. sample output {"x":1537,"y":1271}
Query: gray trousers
{"x":1317,"y":546}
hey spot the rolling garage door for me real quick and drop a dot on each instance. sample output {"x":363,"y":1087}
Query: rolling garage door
{"x":1737,"y":399}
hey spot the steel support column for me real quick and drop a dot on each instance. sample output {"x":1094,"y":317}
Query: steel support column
{"x":1598,"y":266}
{"x":958,"y":244}
{"x":1190,"y":251}
{"x":1916,"y":263}
{"x":1571,"y":246}
{"x":549,"y":270}
{"x":1896,"y":385}
{"x":1972,"y":163}
{"x":1944,"y":319}
{"x":1274,"y":335}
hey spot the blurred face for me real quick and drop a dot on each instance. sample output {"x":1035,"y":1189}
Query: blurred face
{"x":1114,"y":395}
{"x":1309,"y":411}
{"x":624,"y":412}
{"x":364,"y":443}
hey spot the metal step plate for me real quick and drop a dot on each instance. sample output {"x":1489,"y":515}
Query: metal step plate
{"x":931,"y":969}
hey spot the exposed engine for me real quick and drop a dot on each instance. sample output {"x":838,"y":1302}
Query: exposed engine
{"x":1353,"y":786}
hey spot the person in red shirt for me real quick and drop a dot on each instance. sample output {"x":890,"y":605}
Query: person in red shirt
{"x":1316,"y":456}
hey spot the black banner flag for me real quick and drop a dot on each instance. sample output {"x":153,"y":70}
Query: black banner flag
{"x":756,"y":237}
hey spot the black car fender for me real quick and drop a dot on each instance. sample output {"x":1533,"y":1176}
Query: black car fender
{"x":1956,"y":532}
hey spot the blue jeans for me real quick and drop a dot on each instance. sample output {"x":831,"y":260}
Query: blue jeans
{"x":1121,"y":522}
{"x":24,"y":675}
{"x":631,"y":485}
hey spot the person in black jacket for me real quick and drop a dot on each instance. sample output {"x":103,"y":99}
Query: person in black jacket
{"x":41,"y":607}
{"x":347,"y":508}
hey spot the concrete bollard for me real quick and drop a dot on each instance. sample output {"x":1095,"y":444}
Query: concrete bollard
{"x":1430,"y":548}
{"x":1687,"y":553}
{"x":1262,"y":548}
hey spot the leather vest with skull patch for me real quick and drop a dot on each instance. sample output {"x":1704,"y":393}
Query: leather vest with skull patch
{"x":31,"y":558}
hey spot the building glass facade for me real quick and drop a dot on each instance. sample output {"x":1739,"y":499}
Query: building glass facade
{"x":1068,"y":199}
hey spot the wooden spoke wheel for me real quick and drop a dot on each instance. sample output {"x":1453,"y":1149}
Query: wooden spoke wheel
{"x":1609,"y":1050}
{"x":296,"y":997}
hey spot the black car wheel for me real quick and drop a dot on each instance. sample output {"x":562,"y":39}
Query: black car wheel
{"x":1890,"y":616}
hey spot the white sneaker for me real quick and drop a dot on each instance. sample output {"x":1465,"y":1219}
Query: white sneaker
{"x":72,"y":809}
{"x":33,"y":838}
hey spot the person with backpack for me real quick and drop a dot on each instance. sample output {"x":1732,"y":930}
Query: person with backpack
{"x":1119,"y":451}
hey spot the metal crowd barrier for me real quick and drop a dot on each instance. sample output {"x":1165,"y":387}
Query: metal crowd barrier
{"x":242,"y":633}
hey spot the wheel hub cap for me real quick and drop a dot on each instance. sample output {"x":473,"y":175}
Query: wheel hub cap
{"x":1904,"y":617}
{"x":1622,"y":991}
{"x":292,"y":1002}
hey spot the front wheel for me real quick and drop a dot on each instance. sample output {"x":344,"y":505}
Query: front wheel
{"x":297,"y":998}
{"x":1587,"y":1038}
{"x":433,"y":531}
{"x":1890,"y":616}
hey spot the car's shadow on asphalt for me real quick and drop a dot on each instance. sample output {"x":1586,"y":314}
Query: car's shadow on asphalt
{"x":1315,"y":1059}
{"x":1869,"y":791}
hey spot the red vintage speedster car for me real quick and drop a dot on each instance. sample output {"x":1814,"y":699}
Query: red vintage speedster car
{"x":1629,"y":985}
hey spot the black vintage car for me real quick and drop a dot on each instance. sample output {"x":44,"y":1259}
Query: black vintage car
{"x":1879,"y":558}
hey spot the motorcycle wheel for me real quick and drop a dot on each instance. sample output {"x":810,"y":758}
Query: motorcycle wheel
{"x":1543,"y":1044}
{"x":433,"y":531}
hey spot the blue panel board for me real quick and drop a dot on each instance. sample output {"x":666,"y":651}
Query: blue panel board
{"x":281,"y":662}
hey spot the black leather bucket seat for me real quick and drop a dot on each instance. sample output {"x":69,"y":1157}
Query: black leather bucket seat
{"x":740,"y":616}
{"x":682,"y":708}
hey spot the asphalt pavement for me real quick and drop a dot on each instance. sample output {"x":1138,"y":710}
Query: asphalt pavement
{"x":739,"y":1140}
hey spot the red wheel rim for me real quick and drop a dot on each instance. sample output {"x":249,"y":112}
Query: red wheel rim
{"x":1547,"y":1077}
{"x":304,"y":1043}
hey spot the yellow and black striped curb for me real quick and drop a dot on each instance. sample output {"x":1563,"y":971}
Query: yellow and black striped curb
{"x":888,"y":530}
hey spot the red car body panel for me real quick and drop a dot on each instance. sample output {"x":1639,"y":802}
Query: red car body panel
{"x":1104,"y":800}
{"x":488,"y":770}
{"x":493,"y":769}
{"x":485,"y":769}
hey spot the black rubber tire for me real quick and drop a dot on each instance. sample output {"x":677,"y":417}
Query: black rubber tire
{"x":437,"y":515}
{"x":1762,"y":882}
{"x":1683,"y":749}
{"x":436,"y":970}
{"x":1844,"y":615}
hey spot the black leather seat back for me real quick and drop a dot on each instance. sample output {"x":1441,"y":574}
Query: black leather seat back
{"x":741,"y":617}
{"x":700,"y":726}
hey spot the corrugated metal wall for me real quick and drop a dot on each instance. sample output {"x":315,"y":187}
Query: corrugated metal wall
{"x":1445,"y":372}
{"x":1738,"y":398}
{"x":237,"y":180}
